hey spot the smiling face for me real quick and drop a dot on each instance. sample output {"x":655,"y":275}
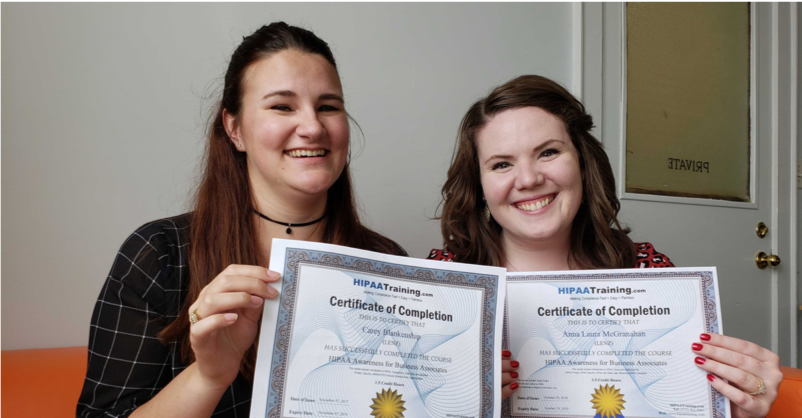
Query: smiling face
{"x":292,"y":125}
{"x":530,"y":175}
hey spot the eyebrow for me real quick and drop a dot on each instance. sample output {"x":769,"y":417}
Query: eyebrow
{"x":290,"y":93}
{"x":331,"y":96}
{"x":537,"y":149}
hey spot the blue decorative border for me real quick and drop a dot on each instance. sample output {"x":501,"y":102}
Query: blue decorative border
{"x":707,"y":290}
{"x":296,"y":256}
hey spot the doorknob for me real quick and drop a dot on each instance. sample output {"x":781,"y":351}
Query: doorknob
{"x":762,"y":260}
{"x":761,"y":230}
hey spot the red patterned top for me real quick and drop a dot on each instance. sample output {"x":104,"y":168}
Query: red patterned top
{"x":646,"y":256}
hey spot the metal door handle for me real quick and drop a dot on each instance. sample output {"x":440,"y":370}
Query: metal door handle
{"x":762,"y":260}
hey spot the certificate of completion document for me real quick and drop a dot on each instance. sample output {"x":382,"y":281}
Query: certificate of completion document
{"x":612,"y":343}
{"x":361,"y":334}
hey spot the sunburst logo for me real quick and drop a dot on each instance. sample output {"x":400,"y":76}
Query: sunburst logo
{"x":608,"y":402}
{"x":388,"y":404}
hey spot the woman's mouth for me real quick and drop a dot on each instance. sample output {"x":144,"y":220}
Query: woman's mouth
{"x":306,"y":153}
{"x":535,"y":204}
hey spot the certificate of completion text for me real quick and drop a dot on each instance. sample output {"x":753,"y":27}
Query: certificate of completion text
{"x":612,"y":343}
{"x":356,"y":337}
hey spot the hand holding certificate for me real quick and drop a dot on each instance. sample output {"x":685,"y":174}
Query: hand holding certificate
{"x":359,"y":333}
{"x":612,"y":343}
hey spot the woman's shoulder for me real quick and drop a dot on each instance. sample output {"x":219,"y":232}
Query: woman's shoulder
{"x":157,"y":238}
{"x":175,"y":226}
{"x":442,"y":255}
{"x":152,"y":260}
{"x":647,"y":257}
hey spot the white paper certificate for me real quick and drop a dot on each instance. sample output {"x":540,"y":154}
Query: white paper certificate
{"x":361,"y":334}
{"x":614,"y":343}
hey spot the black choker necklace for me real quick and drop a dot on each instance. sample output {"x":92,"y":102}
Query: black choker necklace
{"x":289,"y":225}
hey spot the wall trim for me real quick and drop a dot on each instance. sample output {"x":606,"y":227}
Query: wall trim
{"x":775,"y":170}
{"x":577,"y":31}
{"x":793,"y":210}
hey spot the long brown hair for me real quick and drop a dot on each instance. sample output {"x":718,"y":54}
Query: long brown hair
{"x":597,"y":238}
{"x":222,"y":228}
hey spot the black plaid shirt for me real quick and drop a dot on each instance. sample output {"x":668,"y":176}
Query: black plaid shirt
{"x":143,"y":293}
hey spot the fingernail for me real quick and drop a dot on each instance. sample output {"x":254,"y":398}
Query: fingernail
{"x":514,"y":363}
{"x":710,"y":377}
{"x":230,"y":317}
{"x":704,"y":337}
{"x":273,"y":274}
{"x":696,"y":346}
{"x":272,"y":291}
{"x":256,"y":300}
{"x":514,"y":375}
{"x":699,"y":360}
{"x":505,"y":353}
{"x":514,"y":386}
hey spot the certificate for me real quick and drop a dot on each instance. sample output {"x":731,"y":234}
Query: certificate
{"x":612,"y":343}
{"x":360,"y":334}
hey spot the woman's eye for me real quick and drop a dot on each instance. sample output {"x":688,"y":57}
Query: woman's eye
{"x":328,"y":108}
{"x":549,"y":152}
{"x":500,"y":165}
{"x":283,"y":108}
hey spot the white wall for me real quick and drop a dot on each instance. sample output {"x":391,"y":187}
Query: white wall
{"x":103,"y":108}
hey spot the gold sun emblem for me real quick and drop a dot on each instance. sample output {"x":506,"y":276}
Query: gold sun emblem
{"x":608,"y":401}
{"x":388,"y":404}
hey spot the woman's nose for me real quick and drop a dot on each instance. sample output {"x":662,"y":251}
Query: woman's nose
{"x":529,"y":177}
{"x":309,"y":125}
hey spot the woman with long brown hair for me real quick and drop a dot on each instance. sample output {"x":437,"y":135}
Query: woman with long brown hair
{"x":173,"y":332}
{"x":530,"y":189}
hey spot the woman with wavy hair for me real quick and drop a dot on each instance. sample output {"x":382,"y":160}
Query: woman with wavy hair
{"x":530,"y":189}
{"x":173,"y":333}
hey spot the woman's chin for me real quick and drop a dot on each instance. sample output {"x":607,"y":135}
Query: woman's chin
{"x":314,"y":187}
{"x":536,"y":237}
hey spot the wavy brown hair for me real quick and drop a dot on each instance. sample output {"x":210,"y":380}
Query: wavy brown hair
{"x":597,"y":238}
{"x":222,"y":227}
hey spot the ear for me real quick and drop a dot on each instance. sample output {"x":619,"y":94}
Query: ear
{"x":231,"y":125}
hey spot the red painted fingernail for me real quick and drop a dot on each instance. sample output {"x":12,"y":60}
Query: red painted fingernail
{"x":699,"y":360}
{"x":513,"y":375}
{"x":506,"y":353}
{"x":514,"y":363}
{"x":514,"y":386}
{"x":704,"y":337}
{"x":710,"y":377}
{"x":696,"y":346}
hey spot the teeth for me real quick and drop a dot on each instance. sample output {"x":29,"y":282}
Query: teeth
{"x":307,"y":153}
{"x":537,"y":205}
